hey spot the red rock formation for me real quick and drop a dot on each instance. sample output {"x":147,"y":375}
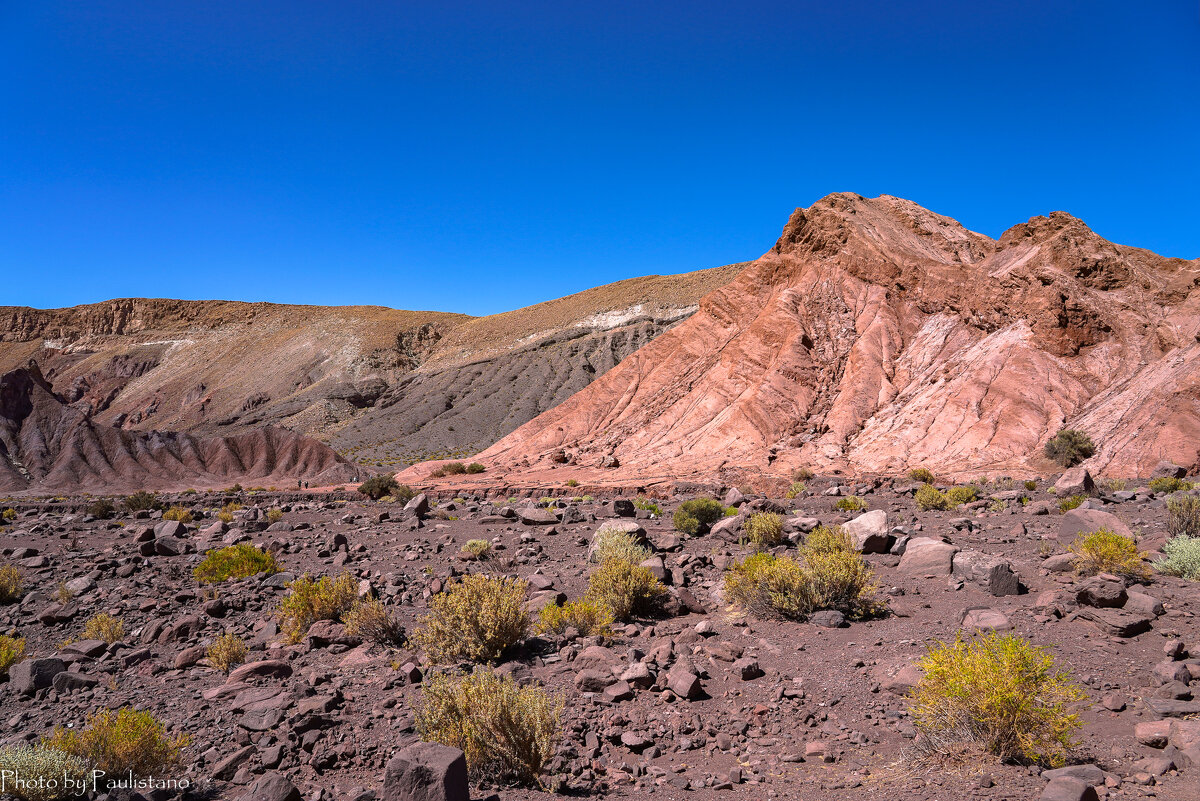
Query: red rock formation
{"x":876,"y":336}
{"x":47,"y":445}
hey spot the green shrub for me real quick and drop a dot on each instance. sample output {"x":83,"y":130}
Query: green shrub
{"x":587,"y":617}
{"x":178,"y":513}
{"x":851,"y":503}
{"x":508,"y":733}
{"x":104,"y":627}
{"x":930,"y":498}
{"x":478,"y":618}
{"x":1106,"y":551}
{"x":120,"y":742}
{"x":697,"y":515}
{"x":478,"y":549}
{"x":9,"y":515}
{"x":142,"y":501}
{"x":12,"y":651}
{"x":999,"y":692}
{"x":1070,"y":447}
{"x":37,"y":769}
{"x":1182,"y":557}
{"x":101,"y":509}
{"x":1073,"y":502}
{"x":766,"y":585}
{"x":274,"y":514}
{"x":450,"y":469}
{"x":572,"y":482}
{"x":647,"y":505}
{"x":613,"y":543}
{"x":12,"y":584}
{"x":1164,"y":485}
{"x":376,"y":487}
{"x":1183,"y":516}
{"x":922,"y":474}
{"x":236,"y":561}
{"x":1030,"y":486}
{"x":227,"y":652}
{"x":473,"y":468}
{"x":226,"y":513}
{"x":956,"y":496}
{"x":764,"y":530}
{"x":311,"y":600}
{"x":373,"y":621}
{"x":625,"y":589}
{"x":803,"y":474}
{"x":796,"y":490}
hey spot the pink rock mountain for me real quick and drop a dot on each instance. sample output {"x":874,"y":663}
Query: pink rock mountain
{"x":877,"y":336}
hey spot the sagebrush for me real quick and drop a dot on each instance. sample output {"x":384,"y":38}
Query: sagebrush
{"x":235,"y":562}
{"x":477,"y":618}
{"x":311,"y":600}
{"x":121,"y":741}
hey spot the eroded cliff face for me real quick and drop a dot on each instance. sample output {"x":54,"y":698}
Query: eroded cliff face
{"x":876,"y":336}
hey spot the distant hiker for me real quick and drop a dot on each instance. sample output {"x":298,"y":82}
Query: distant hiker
{"x":299,"y":484}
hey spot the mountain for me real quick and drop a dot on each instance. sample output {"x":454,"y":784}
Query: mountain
{"x":877,"y":336}
{"x":49,"y":445}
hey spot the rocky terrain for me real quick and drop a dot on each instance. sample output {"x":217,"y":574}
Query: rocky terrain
{"x":49,"y":446}
{"x":700,"y":701}
{"x":877,"y":336}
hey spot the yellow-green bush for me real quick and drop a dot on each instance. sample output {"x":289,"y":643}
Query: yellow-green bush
{"x":922,"y":474}
{"x":508,"y":732}
{"x":274,"y":514}
{"x":236,"y":561}
{"x":373,"y":621}
{"x":803,"y":474}
{"x":1169,"y":485}
{"x":311,"y":600}
{"x":828,"y":539}
{"x":587,"y":617}
{"x":764,"y":529}
{"x":37,"y":768}
{"x":142,"y":501}
{"x":956,"y":496}
{"x":796,"y":490}
{"x":645,"y":504}
{"x":12,"y":584}
{"x":227,"y":652}
{"x":479,"y":549}
{"x":625,"y":589}
{"x":226,"y":513}
{"x":613,"y":543}
{"x":1071,"y":502}
{"x":1000,"y":692}
{"x":1106,"y":551}
{"x":104,"y":627}
{"x":766,"y":585}
{"x":178,"y":513}
{"x":477,"y":618}
{"x":1183,"y":516}
{"x":697,"y":515}
{"x":929,"y":498}
{"x":120,"y":742}
{"x":12,"y":651}
{"x":1070,"y":447}
{"x":851,"y":503}
{"x":9,"y":515}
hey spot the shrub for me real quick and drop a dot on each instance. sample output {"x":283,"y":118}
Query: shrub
{"x":475,"y":467}
{"x":930,"y":498}
{"x":1001,"y":692}
{"x":766,"y":585}
{"x":613,"y":543}
{"x":796,"y":490}
{"x":572,"y":482}
{"x":12,"y":584}
{"x":764,"y":530}
{"x":477,"y":618}
{"x":803,"y":474}
{"x":1183,"y":516}
{"x":923,"y":475}
{"x":956,"y":496}
{"x":128,"y":741}
{"x":587,"y":617}
{"x":274,"y":515}
{"x":36,"y":767}
{"x":826,"y":539}
{"x":647,"y":505}
{"x":479,"y":549}
{"x":227,"y":652}
{"x":12,"y":651}
{"x":235,"y":561}
{"x":1030,"y":486}
{"x":697,"y":515}
{"x":63,"y":593}
{"x":178,"y":513}
{"x":508,"y":732}
{"x":226,"y":513}
{"x":142,"y":501}
{"x":312,"y":600}
{"x":1106,"y":551}
{"x":851,"y":503}
{"x":376,"y":487}
{"x":9,"y":515}
{"x":1182,"y":557}
{"x":1071,"y":502}
{"x":1070,"y":447}
{"x":104,"y":627}
{"x":625,"y":589}
{"x":1164,"y":485}
{"x":373,"y":621}
{"x":102,"y":509}
{"x":997,"y":506}
{"x":1115,"y":484}
{"x":450,"y":469}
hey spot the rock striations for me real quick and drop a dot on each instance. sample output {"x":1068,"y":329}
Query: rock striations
{"x":877,"y":336}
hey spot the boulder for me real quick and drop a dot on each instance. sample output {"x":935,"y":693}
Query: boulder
{"x":1117,"y":622}
{"x":271,"y":787}
{"x":1168,"y":470}
{"x":989,"y":572}
{"x":1102,"y":593}
{"x":1076,"y":481}
{"x":985,"y":620}
{"x":418,"y":506}
{"x":31,"y":675}
{"x":870,"y":531}
{"x":1079,"y":521}
{"x":926,"y":556}
{"x":1068,"y":788}
{"x":426,"y":772}
{"x":537,"y":516}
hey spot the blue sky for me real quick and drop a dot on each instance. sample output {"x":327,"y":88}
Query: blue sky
{"x":479,"y":157}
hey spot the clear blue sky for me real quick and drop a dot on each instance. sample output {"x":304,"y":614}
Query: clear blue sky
{"x":483,"y":156}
